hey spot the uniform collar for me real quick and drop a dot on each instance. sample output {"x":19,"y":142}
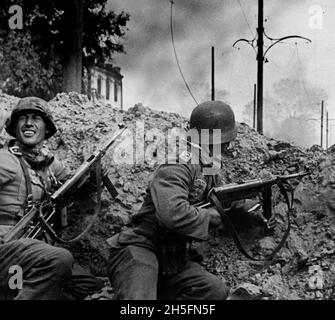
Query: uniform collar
{"x":38,"y":158}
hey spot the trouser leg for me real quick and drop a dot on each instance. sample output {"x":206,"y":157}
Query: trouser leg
{"x":193,"y":283}
{"x":45,"y":270}
{"x":81,"y":284}
{"x":133,"y":272}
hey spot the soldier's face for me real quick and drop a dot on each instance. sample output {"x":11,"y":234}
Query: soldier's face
{"x":30,"y":129}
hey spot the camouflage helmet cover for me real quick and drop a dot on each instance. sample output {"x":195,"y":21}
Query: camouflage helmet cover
{"x":31,"y":104}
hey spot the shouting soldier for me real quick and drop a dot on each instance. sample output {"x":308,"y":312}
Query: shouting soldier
{"x":28,"y":172}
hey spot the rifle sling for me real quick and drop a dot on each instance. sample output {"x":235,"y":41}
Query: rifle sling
{"x":29,"y":198}
{"x":226,"y":219}
{"x":288,"y":216}
{"x":53,"y":234}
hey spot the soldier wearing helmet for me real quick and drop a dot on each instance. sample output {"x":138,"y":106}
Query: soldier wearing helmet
{"x":28,"y":169}
{"x":154,"y":258}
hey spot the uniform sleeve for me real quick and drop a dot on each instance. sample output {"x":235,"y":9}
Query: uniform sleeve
{"x":59,"y":170}
{"x":8,"y":167}
{"x":169,"y":191}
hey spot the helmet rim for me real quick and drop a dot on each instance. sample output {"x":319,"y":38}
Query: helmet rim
{"x":214,"y":115}
{"x":20,"y":109}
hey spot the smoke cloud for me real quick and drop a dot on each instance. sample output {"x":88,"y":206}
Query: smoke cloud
{"x":151,"y":75}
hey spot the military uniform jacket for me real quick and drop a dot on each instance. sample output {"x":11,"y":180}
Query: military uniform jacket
{"x":169,"y":204}
{"x":13,"y":191}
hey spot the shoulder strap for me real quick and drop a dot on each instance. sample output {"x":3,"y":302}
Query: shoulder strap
{"x":29,"y":199}
{"x":230,"y":225}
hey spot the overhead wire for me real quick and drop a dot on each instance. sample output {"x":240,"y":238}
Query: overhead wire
{"x":176,"y":57}
{"x":315,"y":54}
{"x":290,"y":59}
{"x":245,"y":17}
{"x":248,"y":80}
{"x":302,"y":80}
{"x":231,"y":72}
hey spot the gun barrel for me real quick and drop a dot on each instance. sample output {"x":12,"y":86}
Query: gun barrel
{"x":236,"y":187}
{"x":256,"y":183}
{"x":111,"y":140}
{"x":85,"y":167}
{"x":295,"y":175}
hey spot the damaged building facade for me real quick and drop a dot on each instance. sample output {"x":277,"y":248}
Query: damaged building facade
{"x":106,"y":84}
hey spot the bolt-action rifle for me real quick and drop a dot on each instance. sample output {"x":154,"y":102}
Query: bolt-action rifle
{"x":40,"y":218}
{"x":223,"y":197}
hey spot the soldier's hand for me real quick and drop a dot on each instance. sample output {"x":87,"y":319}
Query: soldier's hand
{"x":215,"y":218}
{"x":271,"y":223}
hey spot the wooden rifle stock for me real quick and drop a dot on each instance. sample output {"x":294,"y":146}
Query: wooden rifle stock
{"x":20,"y":229}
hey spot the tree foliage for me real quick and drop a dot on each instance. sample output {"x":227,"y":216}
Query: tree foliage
{"x":31,"y":59}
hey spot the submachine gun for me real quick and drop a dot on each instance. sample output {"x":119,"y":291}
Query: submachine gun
{"x":41,"y":218}
{"x":223,"y":196}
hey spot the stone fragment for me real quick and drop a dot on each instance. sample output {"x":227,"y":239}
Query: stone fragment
{"x":245,"y":291}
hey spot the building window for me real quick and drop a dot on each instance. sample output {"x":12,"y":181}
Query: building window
{"x":99,"y":85}
{"x":115,"y":91}
{"x":107,"y":89}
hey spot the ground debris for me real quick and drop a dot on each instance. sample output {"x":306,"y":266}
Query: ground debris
{"x":83,"y":125}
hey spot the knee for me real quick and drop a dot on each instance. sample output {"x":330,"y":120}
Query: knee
{"x":133,"y":256}
{"x":217,"y":289}
{"x":61,"y":261}
{"x":126,"y":264}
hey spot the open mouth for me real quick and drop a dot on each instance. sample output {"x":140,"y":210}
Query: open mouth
{"x":28,"y":133}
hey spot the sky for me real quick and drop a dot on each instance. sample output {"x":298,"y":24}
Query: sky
{"x":151,"y":74}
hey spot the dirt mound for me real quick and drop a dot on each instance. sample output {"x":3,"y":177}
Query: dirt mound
{"x":303,"y":269}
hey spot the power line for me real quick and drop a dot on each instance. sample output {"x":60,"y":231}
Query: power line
{"x":244,"y":15}
{"x":246,"y":73}
{"x":175,"y":54}
{"x":302,"y":80}
{"x":231,"y":71}
{"x":289,"y":60}
{"x":261,"y":58}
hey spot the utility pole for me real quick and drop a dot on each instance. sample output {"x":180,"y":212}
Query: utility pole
{"x":321,"y":143}
{"x":260,"y":64}
{"x":327,"y":130}
{"x":254,"y":111}
{"x":330,"y":132}
{"x":261,"y":58}
{"x":213,"y":76}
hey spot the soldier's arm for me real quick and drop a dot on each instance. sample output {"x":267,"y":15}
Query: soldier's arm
{"x":59,"y":170}
{"x":85,"y":191}
{"x":9,"y":165}
{"x":170,"y":190}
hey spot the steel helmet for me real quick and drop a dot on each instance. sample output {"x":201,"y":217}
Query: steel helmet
{"x":214,"y":115}
{"x":31,"y":104}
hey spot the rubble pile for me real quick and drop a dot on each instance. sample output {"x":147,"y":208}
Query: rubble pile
{"x":303,"y":269}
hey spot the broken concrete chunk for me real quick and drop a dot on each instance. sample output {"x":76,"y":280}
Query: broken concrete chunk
{"x":245,"y":291}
